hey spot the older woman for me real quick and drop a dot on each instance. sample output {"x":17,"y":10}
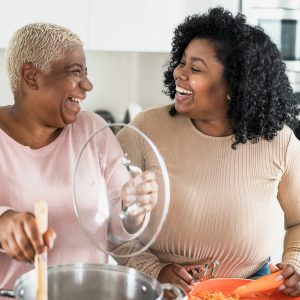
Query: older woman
{"x":41,"y":136}
{"x":230,"y":153}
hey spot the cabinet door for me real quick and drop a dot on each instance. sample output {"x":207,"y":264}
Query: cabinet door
{"x":16,"y":13}
{"x":133,"y":25}
{"x":196,"y":6}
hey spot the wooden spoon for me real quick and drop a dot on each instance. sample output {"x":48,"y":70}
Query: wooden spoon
{"x":262,"y":284}
{"x":41,"y":214}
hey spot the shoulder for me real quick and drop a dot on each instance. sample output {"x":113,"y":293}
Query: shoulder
{"x":161,"y":110}
{"x":86,"y":124}
{"x":287,"y":143}
{"x":286,"y":137}
{"x":89,"y":121}
{"x":154,"y":116}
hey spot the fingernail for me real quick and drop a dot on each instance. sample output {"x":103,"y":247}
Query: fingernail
{"x":282,"y":287}
{"x":279,"y":277}
{"x":51,"y":244}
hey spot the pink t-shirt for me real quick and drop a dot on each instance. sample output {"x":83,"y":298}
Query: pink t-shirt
{"x":28,"y":176}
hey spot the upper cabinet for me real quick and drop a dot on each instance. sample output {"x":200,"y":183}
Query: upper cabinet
{"x":133,"y":25}
{"x":109,"y":25}
{"x":16,"y":13}
{"x":142,"y":25}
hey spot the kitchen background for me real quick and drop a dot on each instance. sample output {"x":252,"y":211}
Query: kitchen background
{"x":127,"y":44}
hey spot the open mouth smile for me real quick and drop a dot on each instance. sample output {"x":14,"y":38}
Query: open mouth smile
{"x":183,"y":92}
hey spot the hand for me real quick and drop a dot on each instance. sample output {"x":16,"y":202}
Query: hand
{"x":291,"y":276}
{"x":176,"y":274}
{"x":20,"y":238}
{"x":143,"y":191}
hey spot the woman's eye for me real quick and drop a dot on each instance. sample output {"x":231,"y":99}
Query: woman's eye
{"x":195,"y":69}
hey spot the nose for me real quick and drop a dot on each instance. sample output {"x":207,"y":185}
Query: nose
{"x":180,"y":73}
{"x":86,"y":84}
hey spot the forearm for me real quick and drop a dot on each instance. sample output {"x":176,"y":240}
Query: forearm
{"x":291,"y":252}
{"x":145,"y":262}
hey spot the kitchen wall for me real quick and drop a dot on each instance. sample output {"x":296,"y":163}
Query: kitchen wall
{"x":119,"y":78}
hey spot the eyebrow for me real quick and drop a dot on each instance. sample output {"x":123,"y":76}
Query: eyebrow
{"x":75,"y":65}
{"x":197,"y":58}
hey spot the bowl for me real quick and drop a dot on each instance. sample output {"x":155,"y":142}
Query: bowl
{"x":228,"y":285}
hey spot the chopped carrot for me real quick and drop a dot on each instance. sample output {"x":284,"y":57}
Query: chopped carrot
{"x":206,"y":295}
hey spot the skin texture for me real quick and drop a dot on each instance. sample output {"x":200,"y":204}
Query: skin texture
{"x":44,"y":104}
{"x":200,"y":72}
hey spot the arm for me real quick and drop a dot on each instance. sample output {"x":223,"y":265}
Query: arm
{"x":289,"y":197}
{"x":145,"y":262}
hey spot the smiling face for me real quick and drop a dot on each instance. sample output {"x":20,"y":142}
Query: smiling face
{"x":59,"y":93}
{"x":201,"y":91}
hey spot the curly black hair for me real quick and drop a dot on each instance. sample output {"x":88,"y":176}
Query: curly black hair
{"x":261,"y":98}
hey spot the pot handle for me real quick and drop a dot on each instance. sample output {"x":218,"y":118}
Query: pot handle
{"x":7,"y":293}
{"x":177,"y":290}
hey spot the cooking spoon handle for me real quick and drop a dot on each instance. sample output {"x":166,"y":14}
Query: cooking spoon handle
{"x":41,"y":214}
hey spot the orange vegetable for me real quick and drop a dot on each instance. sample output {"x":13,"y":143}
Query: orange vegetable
{"x":260,"y":285}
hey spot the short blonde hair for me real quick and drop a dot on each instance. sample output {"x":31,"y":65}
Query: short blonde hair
{"x":39,"y":44}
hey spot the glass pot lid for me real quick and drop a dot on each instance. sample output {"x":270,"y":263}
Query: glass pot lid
{"x":108,"y":171}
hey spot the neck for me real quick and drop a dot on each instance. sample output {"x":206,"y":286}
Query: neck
{"x":217,"y":128}
{"x":25,"y":130}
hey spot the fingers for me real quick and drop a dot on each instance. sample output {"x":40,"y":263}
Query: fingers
{"x":23,"y":246}
{"x":20,"y":237}
{"x":273,"y":268}
{"x":33,"y":235}
{"x":184,"y":279}
{"x":145,"y":183}
{"x":176,"y":274}
{"x":49,"y":238}
{"x":143,"y":190}
{"x":291,"y":276}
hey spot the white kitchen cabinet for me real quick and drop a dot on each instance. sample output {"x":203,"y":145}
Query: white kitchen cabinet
{"x":109,"y":25}
{"x":142,"y":25}
{"x":16,"y":13}
{"x":133,"y":25}
{"x":197,"y":6}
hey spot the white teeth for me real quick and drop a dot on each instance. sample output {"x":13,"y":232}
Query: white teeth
{"x":77,"y":100}
{"x":183,"y":91}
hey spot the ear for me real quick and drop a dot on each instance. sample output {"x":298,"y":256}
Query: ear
{"x":28,"y":74}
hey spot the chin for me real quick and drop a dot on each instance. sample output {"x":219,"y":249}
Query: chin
{"x":70,"y":118}
{"x":181,"y":109}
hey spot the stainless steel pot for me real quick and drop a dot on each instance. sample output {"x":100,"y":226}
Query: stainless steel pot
{"x":89,"y":281}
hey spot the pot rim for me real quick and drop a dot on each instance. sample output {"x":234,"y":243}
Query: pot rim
{"x":89,"y":266}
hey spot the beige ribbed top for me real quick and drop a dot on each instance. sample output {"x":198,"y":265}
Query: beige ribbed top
{"x":222,"y":200}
